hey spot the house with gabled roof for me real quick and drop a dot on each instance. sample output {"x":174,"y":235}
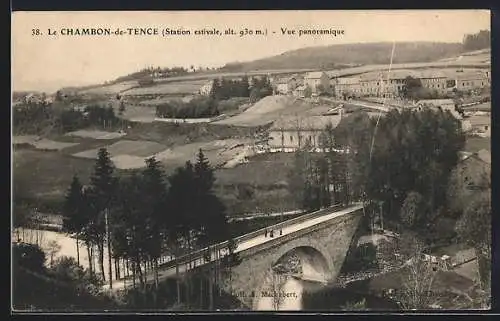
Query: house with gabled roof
{"x":318,"y":81}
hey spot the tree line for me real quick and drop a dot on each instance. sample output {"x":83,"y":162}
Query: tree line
{"x":39,"y":117}
{"x":215,"y":103}
{"x":476,"y":41}
{"x":405,"y":167}
{"x":146,"y":216}
{"x":199,"y":107}
{"x":256,"y":89}
{"x":401,"y":157}
{"x":146,"y":72}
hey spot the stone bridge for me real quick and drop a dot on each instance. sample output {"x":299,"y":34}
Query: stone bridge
{"x":321,"y":243}
{"x":320,"y":240}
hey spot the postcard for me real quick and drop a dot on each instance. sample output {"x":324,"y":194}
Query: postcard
{"x":204,"y":161}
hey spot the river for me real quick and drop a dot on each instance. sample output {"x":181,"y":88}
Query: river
{"x":301,"y":295}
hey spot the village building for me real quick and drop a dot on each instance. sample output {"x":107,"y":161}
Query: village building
{"x":479,"y":125}
{"x":206,"y":89}
{"x":469,"y":81}
{"x":289,"y":134}
{"x":390,"y":84}
{"x":285,"y":85}
{"x":433,"y":80}
{"x":443,"y":104}
{"x":300,"y":91}
{"x":476,"y":167}
{"x":383,"y":84}
{"x":318,"y":81}
{"x":346,"y":87}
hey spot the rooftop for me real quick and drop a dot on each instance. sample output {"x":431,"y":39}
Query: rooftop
{"x":479,"y":120}
{"x":315,"y":122}
{"x":484,"y":155}
{"x":436,"y":102}
{"x":284,"y":80}
{"x":402,"y":74}
{"x":314,"y":75}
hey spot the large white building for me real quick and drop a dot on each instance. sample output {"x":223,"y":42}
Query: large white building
{"x":289,"y":133}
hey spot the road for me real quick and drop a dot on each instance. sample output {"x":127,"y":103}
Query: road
{"x":242,"y":246}
{"x":369,"y":105}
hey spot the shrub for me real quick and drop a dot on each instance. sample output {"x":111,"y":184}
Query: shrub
{"x":29,"y":256}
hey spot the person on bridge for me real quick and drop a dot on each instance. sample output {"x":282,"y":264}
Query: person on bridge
{"x":265,"y":233}
{"x":281,"y":231}
{"x":272,"y":234}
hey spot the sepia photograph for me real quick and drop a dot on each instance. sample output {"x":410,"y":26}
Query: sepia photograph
{"x":212,"y":161}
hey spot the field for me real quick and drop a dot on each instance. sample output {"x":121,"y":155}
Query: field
{"x":139,"y":148}
{"x":267,"y":110}
{"x":479,"y":56}
{"x":161,"y":100}
{"x":42,"y":174}
{"x":265,"y":176}
{"x":181,"y":134}
{"x":136,"y":113}
{"x":96,"y":134}
{"x":111,"y":89}
{"x":41,"y":143}
{"x":181,"y":87}
{"x":218,"y":152}
{"x":261,"y":170}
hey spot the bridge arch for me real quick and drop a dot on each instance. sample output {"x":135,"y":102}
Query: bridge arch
{"x":315,"y":264}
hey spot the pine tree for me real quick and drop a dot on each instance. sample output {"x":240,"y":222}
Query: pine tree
{"x":182,"y":205}
{"x":74,"y":215}
{"x":154,"y":190}
{"x":102,"y":192}
{"x":212,"y":224}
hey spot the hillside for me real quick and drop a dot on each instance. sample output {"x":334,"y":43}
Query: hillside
{"x":335,"y":56}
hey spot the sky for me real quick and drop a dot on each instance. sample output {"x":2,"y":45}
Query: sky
{"x":47,"y":63}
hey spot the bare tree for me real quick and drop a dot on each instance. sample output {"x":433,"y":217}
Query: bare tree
{"x":419,"y":278}
{"x":52,"y":248}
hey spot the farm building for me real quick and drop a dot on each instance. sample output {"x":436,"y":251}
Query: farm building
{"x":318,"y":81}
{"x":290,"y":133}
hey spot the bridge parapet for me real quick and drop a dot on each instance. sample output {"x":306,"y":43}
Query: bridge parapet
{"x":185,"y":258}
{"x":279,"y":240}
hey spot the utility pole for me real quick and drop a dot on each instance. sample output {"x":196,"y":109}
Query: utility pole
{"x":109,"y":249}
